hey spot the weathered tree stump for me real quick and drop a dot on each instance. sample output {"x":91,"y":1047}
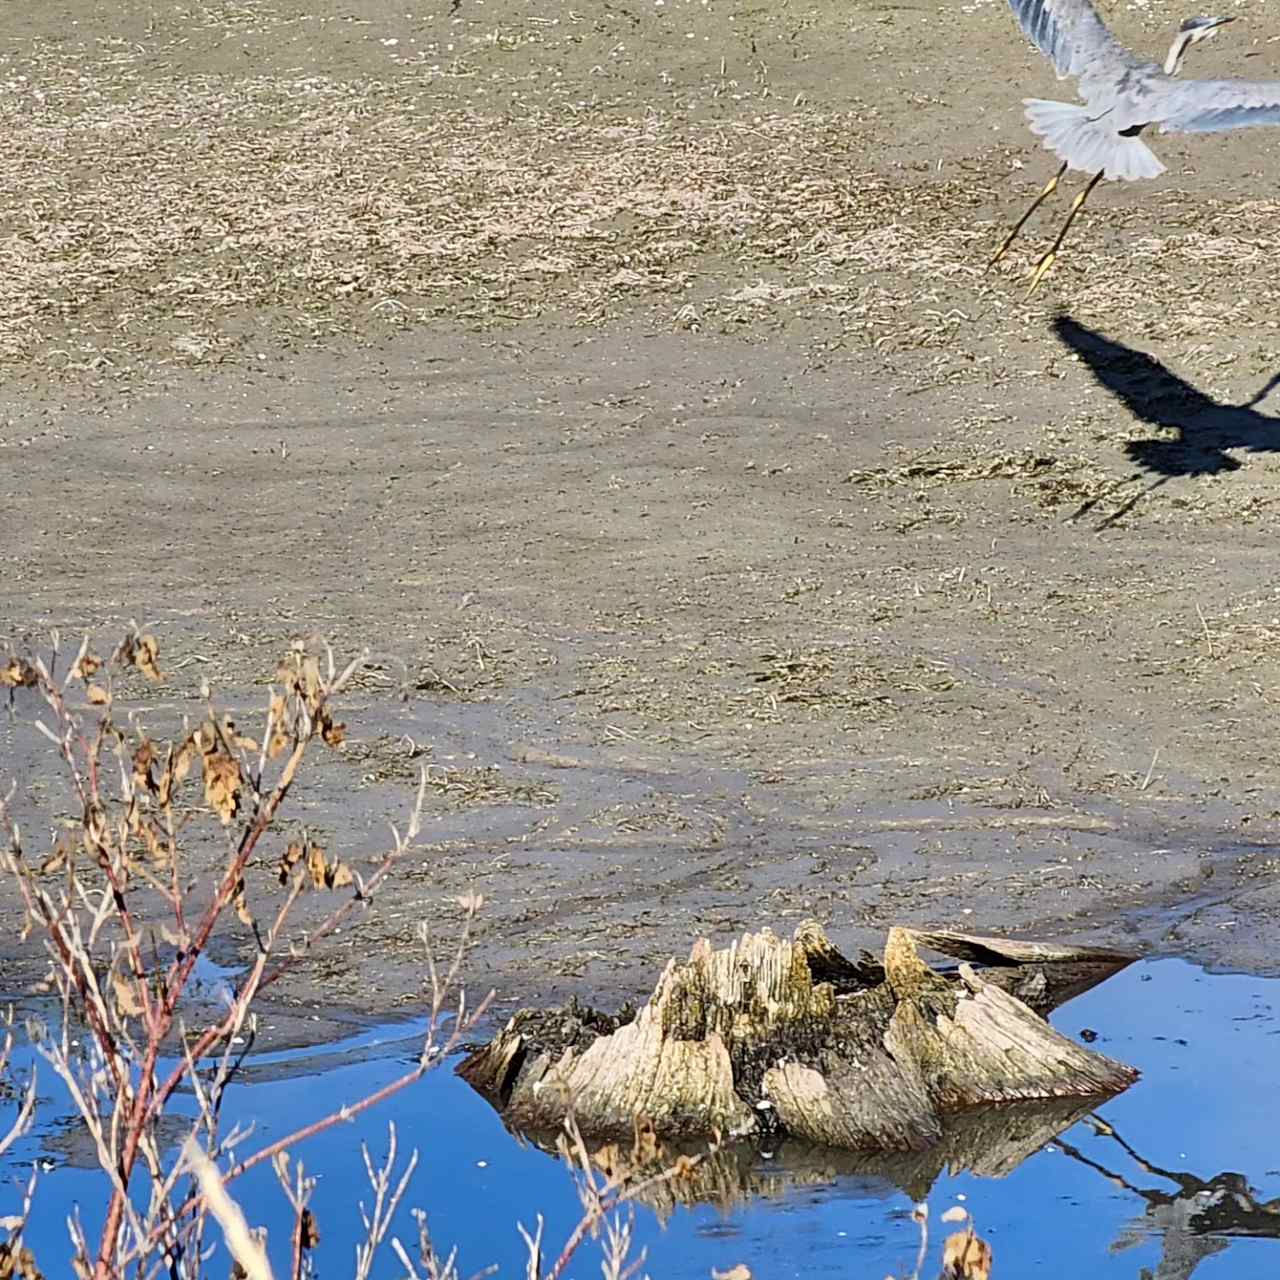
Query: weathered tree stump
{"x":791,"y":1039}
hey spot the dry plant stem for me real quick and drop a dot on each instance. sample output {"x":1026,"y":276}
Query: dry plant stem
{"x":70,"y":958}
{"x":295,"y":1264}
{"x":180,"y":973}
{"x":143,"y":1099}
{"x":347,"y":1113}
{"x":618,"y":1233}
{"x":258,"y":978}
{"x":600,"y":1200}
{"x":187,"y":1237}
{"x":240,"y":1243}
{"x":222,"y":1031}
{"x":27,"y":1107}
{"x":181,"y":970}
{"x":122,"y":1095}
{"x":432,"y":1266}
{"x":921,"y":1215}
{"x":386,"y":1199}
{"x":534,"y":1245}
{"x":89,"y":794}
{"x":298,"y":1193}
{"x":73,"y":955}
{"x":16,"y":1224}
{"x":431,"y":1054}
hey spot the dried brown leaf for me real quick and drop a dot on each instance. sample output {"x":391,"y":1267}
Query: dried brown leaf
{"x":966,"y":1256}
{"x":139,"y":649}
{"x":299,"y":672}
{"x":308,"y":1230}
{"x":293,"y":853}
{"x":233,"y":736}
{"x":143,"y":758}
{"x":128,"y":1001}
{"x":168,"y":781}
{"x":144,"y":656}
{"x":97,"y":695}
{"x":333,"y":732}
{"x":58,"y":856}
{"x":17,"y":1262}
{"x":95,"y":834}
{"x":222,"y":783}
{"x":309,"y":683}
{"x":278,"y":720}
{"x":157,"y":846}
{"x":322,"y":873}
{"x":242,"y":906}
{"x":316,"y":865}
{"x":18,"y":673}
{"x":184,"y":759}
{"x":87,"y":666}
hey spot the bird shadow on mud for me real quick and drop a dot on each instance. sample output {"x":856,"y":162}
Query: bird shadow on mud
{"x":1206,"y":428}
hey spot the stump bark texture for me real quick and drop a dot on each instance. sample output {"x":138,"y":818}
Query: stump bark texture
{"x":790,"y":1039}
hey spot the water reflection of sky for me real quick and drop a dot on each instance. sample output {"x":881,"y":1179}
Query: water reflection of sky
{"x":1207,"y":1047}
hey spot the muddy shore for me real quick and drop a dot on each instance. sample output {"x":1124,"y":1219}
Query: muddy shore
{"x":731,"y":549}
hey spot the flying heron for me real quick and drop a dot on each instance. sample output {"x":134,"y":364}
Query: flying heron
{"x":1123,"y":95}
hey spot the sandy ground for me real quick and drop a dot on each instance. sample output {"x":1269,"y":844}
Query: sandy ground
{"x":731,"y":548}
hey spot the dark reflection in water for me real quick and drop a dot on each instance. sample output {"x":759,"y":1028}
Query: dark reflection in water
{"x":988,"y":1142}
{"x":1196,"y":1219}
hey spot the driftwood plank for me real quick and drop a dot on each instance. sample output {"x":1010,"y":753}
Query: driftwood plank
{"x":997,"y":951}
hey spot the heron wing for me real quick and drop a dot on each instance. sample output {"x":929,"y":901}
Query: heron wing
{"x":1209,"y":106}
{"x":1071,"y":35}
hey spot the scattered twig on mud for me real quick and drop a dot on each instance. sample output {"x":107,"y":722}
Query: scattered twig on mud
{"x":1208,"y":635}
{"x":1146,"y":782}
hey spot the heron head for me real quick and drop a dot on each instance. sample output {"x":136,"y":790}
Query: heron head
{"x":1192,"y":31}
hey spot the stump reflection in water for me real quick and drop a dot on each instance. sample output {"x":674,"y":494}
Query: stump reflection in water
{"x":990,"y":1142}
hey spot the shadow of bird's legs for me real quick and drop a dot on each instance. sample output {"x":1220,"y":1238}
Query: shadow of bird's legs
{"x":1115,"y":1179}
{"x":1088,"y":505}
{"x":1272,"y":383}
{"x":1050,"y":187}
{"x":1120,"y":512}
{"x":1042,"y":267}
{"x":1104,"y":1130}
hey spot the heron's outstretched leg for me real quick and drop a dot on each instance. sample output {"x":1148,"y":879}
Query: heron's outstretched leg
{"x":1050,"y":187}
{"x":1042,"y":267}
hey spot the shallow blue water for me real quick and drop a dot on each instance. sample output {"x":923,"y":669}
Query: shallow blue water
{"x":1208,"y":1047}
